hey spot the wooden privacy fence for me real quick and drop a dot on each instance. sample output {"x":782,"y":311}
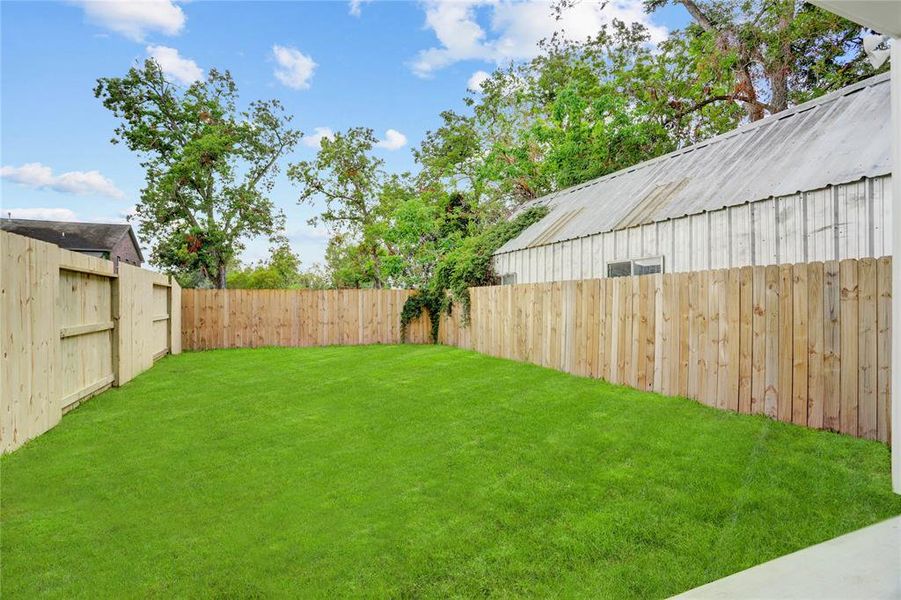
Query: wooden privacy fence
{"x":72,"y":326}
{"x":806,"y":343}
{"x":253,"y":318}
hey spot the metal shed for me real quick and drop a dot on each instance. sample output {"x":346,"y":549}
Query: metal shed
{"x":811,"y":183}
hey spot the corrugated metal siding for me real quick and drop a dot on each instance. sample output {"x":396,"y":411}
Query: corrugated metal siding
{"x":844,"y":221}
{"x":839,"y":138}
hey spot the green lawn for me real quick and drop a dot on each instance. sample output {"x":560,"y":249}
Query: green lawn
{"x":413,"y":471}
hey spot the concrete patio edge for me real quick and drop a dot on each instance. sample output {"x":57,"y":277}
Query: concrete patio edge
{"x":863,"y":564}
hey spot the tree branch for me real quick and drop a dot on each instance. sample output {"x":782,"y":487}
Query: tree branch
{"x":698,"y":15}
{"x":717,"y":98}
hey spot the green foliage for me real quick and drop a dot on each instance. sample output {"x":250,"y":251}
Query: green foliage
{"x":569,"y":115}
{"x":577,"y":111}
{"x":351,"y":181}
{"x":758,"y":56}
{"x":281,"y":271}
{"x":209,"y":166}
{"x":421,"y":229}
{"x":413,"y":471}
{"x":430,"y":301}
{"x":349,"y":263}
{"x":467,"y":265}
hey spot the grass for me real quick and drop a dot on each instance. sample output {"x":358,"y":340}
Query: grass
{"x":413,"y":471}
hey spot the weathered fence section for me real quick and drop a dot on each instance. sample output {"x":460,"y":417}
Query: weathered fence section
{"x":254,"y":318}
{"x":71,"y":327}
{"x":806,"y":343}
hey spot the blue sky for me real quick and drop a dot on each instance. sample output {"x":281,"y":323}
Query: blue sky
{"x":385,"y":65}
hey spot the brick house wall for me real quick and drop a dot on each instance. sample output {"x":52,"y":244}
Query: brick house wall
{"x":125,"y":251}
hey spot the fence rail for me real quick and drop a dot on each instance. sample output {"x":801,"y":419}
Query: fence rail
{"x":253,"y":318}
{"x":807,"y":343}
{"x":73,"y":326}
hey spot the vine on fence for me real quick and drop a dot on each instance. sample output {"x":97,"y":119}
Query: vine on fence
{"x":468,"y":265}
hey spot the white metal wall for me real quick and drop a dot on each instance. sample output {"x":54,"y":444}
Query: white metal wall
{"x":851,"y":220}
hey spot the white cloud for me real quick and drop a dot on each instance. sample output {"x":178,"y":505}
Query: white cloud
{"x":356,"y":6}
{"x":128,"y":213}
{"x":308,"y":233}
{"x":83,"y":183}
{"x":135,"y":18}
{"x":295,"y":69}
{"x":314,"y":140}
{"x":476,"y":80}
{"x":42,"y":214}
{"x":394,"y":140}
{"x":515,"y":28}
{"x":184,"y":70}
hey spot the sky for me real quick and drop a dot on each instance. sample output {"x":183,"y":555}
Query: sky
{"x":389,"y":65}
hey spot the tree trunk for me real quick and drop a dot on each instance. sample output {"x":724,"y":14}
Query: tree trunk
{"x":698,"y":15}
{"x":779,"y":89}
{"x":746,"y":84}
{"x":779,"y":75}
{"x":377,"y":268}
{"x":220,"y":283}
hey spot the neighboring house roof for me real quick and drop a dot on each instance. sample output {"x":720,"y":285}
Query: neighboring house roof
{"x":85,"y":237}
{"x":837,"y":138}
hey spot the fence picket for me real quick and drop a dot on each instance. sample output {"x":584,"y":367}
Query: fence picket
{"x":786,"y":365}
{"x":883,"y":348}
{"x":800,"y":349}
{"x":832,"y":347}
{"x":850,"y":342}
{"x":815,"y":328}
{"x":745,"y":352}
{"x":758,"y":342}
{"x":867,"y":344}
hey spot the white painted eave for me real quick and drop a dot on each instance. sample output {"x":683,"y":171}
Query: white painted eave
{"x":882,"y":16}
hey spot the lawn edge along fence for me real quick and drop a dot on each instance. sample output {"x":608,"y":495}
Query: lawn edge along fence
{"x":73,"y":325}
{"x":806,"y":343}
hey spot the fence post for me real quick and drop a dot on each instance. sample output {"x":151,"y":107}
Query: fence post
{"x":174,"y":316}
{"x":116,"y":312}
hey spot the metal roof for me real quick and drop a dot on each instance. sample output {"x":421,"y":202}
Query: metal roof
{"x":837,"y":138}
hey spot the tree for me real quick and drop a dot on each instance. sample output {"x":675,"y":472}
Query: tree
{"x":422,"y":227}
{"x":348,"y":264}
{"x":762,"y":54}
{"x":209,"y":166}
{"x":467,"y":264}
{"x":577,"y":111}
{"x":281,"y":271}
{"x":566,"y":116}
{"x":351,"y":181}
{"x":450,"y":157}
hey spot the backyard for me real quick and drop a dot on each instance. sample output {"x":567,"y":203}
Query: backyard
{"x":413,"y":471}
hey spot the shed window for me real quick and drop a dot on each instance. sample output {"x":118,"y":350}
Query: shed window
{"x":619,"y":269}
{"x":638,"y":266}
{"x":508,"y":279}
